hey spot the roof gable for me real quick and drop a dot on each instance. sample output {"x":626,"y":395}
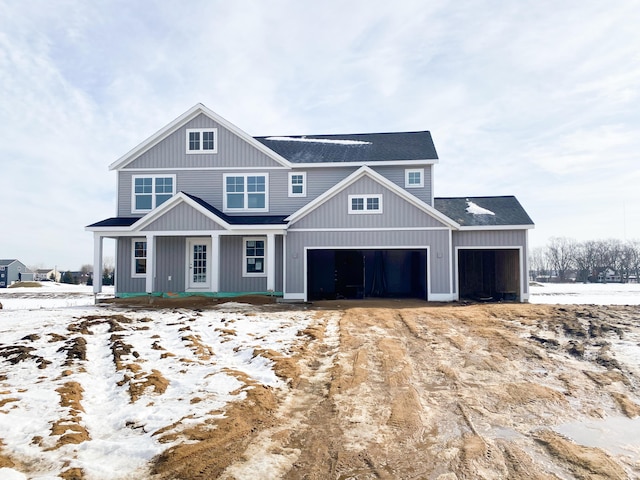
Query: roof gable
{"x":181,"y":122}
{"x":352,"y":179}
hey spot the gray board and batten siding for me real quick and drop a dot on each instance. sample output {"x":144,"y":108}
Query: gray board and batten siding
{"x":184,"y":218}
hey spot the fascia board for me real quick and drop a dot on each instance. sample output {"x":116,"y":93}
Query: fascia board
{"x":382,"y":163}
{"x":181,"y":121}
{"x":497,"y":227}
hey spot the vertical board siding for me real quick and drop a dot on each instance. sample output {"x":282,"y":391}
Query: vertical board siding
{"x":231,"y":267}
{"x":124,"y":281}
{"x":170,"y":261}
{"x":437,"y":241}
{"x":182,"y":217}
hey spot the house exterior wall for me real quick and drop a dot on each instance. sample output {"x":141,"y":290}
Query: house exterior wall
{"x":495,"y":239}
{"x":436,"y":241}
{"x":231,"y":267}
{"x":182,"y":217}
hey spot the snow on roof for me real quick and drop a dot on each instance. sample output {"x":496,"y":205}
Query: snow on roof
{"x":318,"y":140}
{"x":476,"y":209}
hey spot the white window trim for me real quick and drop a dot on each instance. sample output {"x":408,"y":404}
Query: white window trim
{"x":244,"y":257}
{"x":365,"y":211}
{"x":406,"y":178}
{"x":133,"y":258}
{"x":304,"y":184}
{"x":153,"y":193}
{"x":201,"y":131}
{"x":226,"y":209}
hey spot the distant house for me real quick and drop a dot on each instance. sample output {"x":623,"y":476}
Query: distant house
{"x":43,"y":274}
{"x":609,"y":275}
{"x":12,"y":271}
{"x":204,"y":207}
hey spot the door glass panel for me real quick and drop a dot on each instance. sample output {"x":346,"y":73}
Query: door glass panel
{"x":199,"y":264}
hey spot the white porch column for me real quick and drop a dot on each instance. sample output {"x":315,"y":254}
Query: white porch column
{"x":97,"y":263}
{"x":271,"y":261}
{"x":151,"y":262}
{"x":215,"y":262}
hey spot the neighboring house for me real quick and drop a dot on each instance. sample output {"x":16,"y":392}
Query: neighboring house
{"x":204,"y":207}
{"x":12,"y":271}
{"x":43,"y":274}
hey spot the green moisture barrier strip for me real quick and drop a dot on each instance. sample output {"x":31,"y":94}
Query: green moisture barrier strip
{"x":196,"y":294}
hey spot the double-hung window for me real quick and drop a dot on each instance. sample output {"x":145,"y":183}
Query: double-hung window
{"x":254,"y":258}
{"x":202,"y":140}
{"x":151,"y":191}
{"x":246,"y":192}
{"x":297,"y":184}
{"x":414,"y":178}
{"x":365,"y":204}
{"x":139,"y":257}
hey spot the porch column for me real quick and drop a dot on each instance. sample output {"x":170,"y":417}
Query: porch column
{"x":271,"y":262}
{"x":215,"y":262}
{"x":151,"y":262}
{"x":97,"y":263}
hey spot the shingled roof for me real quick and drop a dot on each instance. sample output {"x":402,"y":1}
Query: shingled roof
{"x":484,"y":211}
{"x":361,"y":147}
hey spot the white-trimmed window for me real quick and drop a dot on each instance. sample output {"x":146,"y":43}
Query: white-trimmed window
{"x":254,"y":257}
{"x":246,"y":192}
{"x":151,"y":191}
{"x":202,"y":140}
{"x":138,"y":257}
{"x":297,"y":184}
{"x":414,"y":177}
{"x":365,"y":204}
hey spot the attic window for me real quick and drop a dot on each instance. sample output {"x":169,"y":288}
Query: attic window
{"x":365,"y":204}
{"x":202,"y":140}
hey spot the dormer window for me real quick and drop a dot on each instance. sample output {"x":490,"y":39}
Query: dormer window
{"x":202,"y":140}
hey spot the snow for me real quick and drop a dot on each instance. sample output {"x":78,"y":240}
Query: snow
{"x":122,"y":431}
{"x":586,"y":293}
{"x":318,"y":140}
{"x":476,"y":209}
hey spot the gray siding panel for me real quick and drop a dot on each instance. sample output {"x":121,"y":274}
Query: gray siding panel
{"x":231,"y":279}
{"x":170,"y":262}
{"x":124,"y":282}
{"x":397,"y":212}
{"x":182,"y":217}
{"x":437,"y":241}
{"x":396,"y":174}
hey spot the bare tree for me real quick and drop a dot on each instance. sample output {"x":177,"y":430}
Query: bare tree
{"x":562,"y":253}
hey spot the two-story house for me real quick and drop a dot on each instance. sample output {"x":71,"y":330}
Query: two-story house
{"x":12,"y":271}
{"x":204,"y":207}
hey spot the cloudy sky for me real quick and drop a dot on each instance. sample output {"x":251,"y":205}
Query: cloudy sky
{"x":538,"y":99}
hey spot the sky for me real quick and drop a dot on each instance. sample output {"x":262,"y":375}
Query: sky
{"x":537,"y":99}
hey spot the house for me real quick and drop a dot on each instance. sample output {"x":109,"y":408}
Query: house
{"x":203,"y":207}
{"x":12,"y":271}
{"x":44,"y":274}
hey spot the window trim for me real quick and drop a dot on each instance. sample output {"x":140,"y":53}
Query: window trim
{"x":304,"y":184}
{"x":225,"y":207}
{"x":153,"y":193}
{"x":406,"y":178}
{"x":245,"y":273}
{"x":135,"y":274}
{"x":201,"y":151}
{"x":365,"y":209}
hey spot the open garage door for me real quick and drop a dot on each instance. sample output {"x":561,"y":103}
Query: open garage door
{"x":489,"y":274}
{"x":363,"y":273}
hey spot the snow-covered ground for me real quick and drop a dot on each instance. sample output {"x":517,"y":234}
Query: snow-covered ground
{"x":586,"y":293}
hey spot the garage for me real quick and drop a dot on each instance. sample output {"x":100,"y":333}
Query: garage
{"x":364,"y":273}
{"x":489,"y":274}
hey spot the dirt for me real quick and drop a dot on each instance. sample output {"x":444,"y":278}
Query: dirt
{"x":387,"y":390}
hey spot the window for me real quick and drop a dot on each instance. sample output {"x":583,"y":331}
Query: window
{"x":139,"y":257}
{"x":254,"y":257}
{"x":365,"y":203}
{"x":414,"y":178}
{"x":297,"y":184}
{"x":202,"y":140}
{"x":152,"y":191}
{"x":246,"y":192}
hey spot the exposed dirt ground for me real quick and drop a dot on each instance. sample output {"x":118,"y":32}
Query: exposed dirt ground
{"x":396,"y":390}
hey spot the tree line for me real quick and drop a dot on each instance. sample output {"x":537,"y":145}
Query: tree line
{"x":565,"y":259}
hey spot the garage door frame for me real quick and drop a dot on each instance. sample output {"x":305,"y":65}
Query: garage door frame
{"x":352,"y":247}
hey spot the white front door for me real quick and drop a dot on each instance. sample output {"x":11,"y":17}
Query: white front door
{"x":198,"y":264}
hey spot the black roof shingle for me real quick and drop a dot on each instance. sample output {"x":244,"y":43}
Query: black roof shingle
{"x":506,"y":211}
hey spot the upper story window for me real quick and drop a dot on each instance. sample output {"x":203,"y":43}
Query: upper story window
{"x":414,"y":177}
{"x":151,"y":191}
{"x":297,"y":184}
{"x":202,"y":140}
{"x":365,"y":204}
{"x":246,"y":192}
{"x":139,"y":257}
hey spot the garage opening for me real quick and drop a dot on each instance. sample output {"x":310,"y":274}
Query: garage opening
{"x":489,"y":275}
{"x":363,"y":273}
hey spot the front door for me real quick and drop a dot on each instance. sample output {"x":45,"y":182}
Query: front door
{"x":198,"y":264}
